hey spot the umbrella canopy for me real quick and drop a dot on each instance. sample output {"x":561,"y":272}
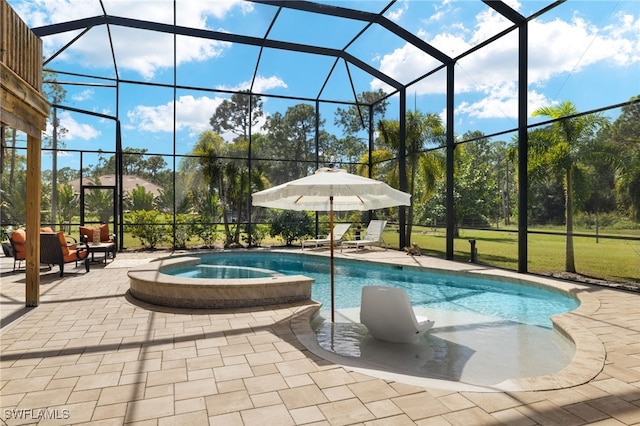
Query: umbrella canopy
{"x":331,"y":189}
{"x":314,"y":192}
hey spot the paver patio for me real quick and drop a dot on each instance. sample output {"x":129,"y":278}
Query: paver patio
{"x":91,"y":354}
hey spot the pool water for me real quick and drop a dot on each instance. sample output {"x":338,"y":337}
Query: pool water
{"x":217,"y":271}
{"x":518,"y":303}
{"x":487,"y":332}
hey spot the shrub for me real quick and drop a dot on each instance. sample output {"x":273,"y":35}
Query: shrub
{"x":207,"y":232}
{"x":148,"y":226}
{"x":184,"y":230}
{"x":291,"y":225}
{"x":257,"y":234}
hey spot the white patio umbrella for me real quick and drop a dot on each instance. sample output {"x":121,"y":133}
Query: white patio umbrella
{"x":331,"y":190}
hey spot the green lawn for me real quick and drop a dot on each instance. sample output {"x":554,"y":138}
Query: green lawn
{"x":609,"y":259}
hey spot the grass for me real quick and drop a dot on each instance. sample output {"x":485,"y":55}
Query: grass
{"x":617,"y":260}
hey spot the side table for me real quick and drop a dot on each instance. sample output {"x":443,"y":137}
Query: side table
{"x":109,"y":250}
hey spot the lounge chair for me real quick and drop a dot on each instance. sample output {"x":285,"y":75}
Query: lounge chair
{"x":372,"y":236}
{"x":388,"y":315}
{"x":339,"y":229}
{"x":56,"y":250}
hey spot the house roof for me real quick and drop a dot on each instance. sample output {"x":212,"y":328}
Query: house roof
{"x":129,"y":183}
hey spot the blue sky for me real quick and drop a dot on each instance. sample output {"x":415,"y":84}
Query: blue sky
{"x":587,"y":52}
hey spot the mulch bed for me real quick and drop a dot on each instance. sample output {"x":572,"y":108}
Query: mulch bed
{"x":630,"y":286}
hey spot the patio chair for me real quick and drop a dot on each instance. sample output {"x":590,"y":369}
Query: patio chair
{"x":388,"y":315}
{"x":100,"y":240}
{"x":55,"y":249}
{"x":18,"y":242}
{"x":105,"y":235}
{"x":372,"y":236}
{"x":339,"y":229}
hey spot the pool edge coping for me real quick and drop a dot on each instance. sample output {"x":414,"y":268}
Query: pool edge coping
{"x":221,"y":293}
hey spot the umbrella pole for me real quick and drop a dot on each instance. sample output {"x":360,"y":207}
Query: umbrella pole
{"x":331,"y":244}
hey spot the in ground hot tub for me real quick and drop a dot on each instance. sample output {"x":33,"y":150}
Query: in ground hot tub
{"x":182,"y":282}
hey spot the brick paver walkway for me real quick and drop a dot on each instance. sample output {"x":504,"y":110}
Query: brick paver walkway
{"x":90,"y":354}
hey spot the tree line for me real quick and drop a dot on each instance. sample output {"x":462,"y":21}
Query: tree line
{"x":582,"y":164}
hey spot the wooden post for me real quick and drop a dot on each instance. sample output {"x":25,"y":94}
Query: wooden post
{"x":33,"y":221}
{"x":24,"y":108}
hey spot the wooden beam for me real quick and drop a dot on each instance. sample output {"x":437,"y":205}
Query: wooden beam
{"x":21,"y":106}
{"x":33,"y":220}
{"x":20,"y":116}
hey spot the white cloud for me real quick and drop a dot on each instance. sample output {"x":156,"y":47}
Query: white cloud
{"x":147,"y":55}
{"x":193,"y":114}
{"x":261,"y":84}
{"x":83,"y":96}
{"x":501,"y":103}
{"x":440,"y":11}
{"x":556,"y":47}
{"x":397,"y":13}
{"x":74,"y":129}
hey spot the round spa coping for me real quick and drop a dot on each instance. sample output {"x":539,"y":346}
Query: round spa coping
{"x":149,"y":284}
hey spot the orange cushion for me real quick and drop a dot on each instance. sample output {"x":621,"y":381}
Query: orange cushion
{"x":19,"y":238}
{"x":47,"y":230}
{"x":63,"y":243}
{"x":74,"y":255}
{"x":88,"y":231}
{"x":104,"y":232}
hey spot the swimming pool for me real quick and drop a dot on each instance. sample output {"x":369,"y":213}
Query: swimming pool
{"x":513,"y":302}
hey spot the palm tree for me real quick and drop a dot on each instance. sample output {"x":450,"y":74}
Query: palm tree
{"x":217,"y":165}
{"x":562,"y":147}
{"x":99,"y":202}
{"x":421,"y":131}
{"x":69,"y":202}
{"x":624,"y":138}
{"x":55,"y":93}
{"x":238,"y":184}
{"x":205,"y":169}
{"x":139,"y":199}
